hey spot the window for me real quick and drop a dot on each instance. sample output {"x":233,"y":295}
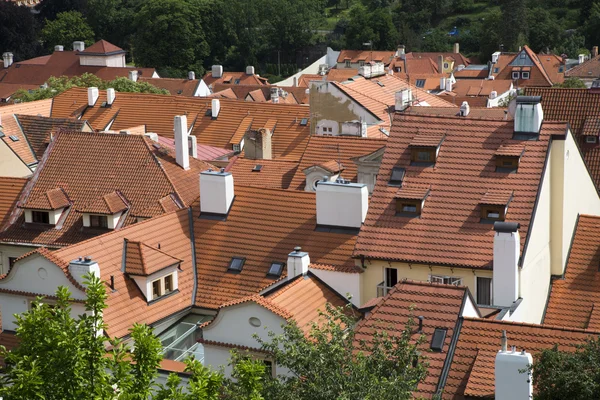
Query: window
{"x":391,"y":277}
{"x":446,"y":280}
{"x":168,"y":284}
{"x":40,"y":217}
{"x":522,"y":55}
{"x":420,"y":83}
{"x":398,"y":69}
{"x":438,"y":338}
{"x":445,"y":65}
{"x":237,"y":82}
{"x":361,"y":63}
{"x":484,"y":291}
{"x":14,"y":138}
{"x":276,"y":269}
{"x":561,"y":68}
{"x":11,"y":261}
{"x":507,"y":163}
{"x":409,"y":208}
{"x":98,"y":221}
{"x":496,"y":70}
{"x":591,"y":139}
{"x":304,"y":121}
{"x":156,"y":289}
{"x":397,"y":176}
{"x":424,"y":156}
{"x":492,"y":212}
{"x":236,"y":264}
{"x":515,"y":75}
{"x":257,"y":168}
{"x":525,"y":75}
{"x":347,"y":63}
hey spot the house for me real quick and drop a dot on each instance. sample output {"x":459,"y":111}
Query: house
{"x":587,"y":70}
{"x":102,"y":59}
{"x":217,"y":76}
{"x":479,"y":93}
{"x":224,"y":123}
{"x":91,"y":183}
{"x":364,"y":106}
{"x":454,"y":194}
{"x":190,"y":87}
{"x":579,"y":107}
{"x":357,"y":58}
{"x":299,"y":298}
{"x":528,"y":69}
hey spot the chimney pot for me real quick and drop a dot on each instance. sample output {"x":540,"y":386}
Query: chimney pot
{"x":217,"y":71}
{"x":78,"y":46}
{"x":504,"y":341}
{"x":249,"y":70}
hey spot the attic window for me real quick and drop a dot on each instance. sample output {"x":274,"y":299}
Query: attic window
{"x":276,"y":269}
{"x":40,"y":217}
{"x":494,"y":205}
{"x":99,"y":221}
{"x":591,"y":139}
{"x":257,"y":168}
{"x":304,"y":121}
{"x":420,"y":83}
{"x":424,"y":149}
{"x":397,"y":176}
{"x":236,"y":264}
{"x":14,"y":138}
{"x":525,"y":75}
{"x":410,"y":201}
{"x":438,"y":338}
{"x":508,"y":157}
{"x":515,"y":75}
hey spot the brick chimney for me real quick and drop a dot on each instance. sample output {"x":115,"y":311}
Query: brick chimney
{"x":507,"y":245}
{"x":182,"y":156}
{"x":258,"y":144}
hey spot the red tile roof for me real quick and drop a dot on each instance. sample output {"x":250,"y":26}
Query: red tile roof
{"x":440,"y":305}
{"x":365,"y":55}
{"x":10,"y":190}
{"x":176,"y":87}
{"x":322,"y":149}
{"x":464,"y":171}
{"x":471,"y":373}
{"x":88,"y":166}
{"x":141,"y":259}
{"x":52,"y":199}
{"x":475,"y":113}
{"x":102,"y":47}
{"x":483,"y":88}
{"x":541,"y":73}
{"x":338,"y":74}
{"x":589,"y":69}
{"x":110,"y":203}
{"x":573,"y":297}
{"x":272,"y":174}
{"x":205,"y":152}
{"x":230,"y":78}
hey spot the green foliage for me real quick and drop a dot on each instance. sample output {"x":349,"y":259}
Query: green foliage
{"x":56,"y":86}
{"x":330,"y":363}
{"x":18,"y":31}
{"x":68,"y":27}
{"x":562,"y":375}
{"x":374,"y":26}
{"x":571,"y":83}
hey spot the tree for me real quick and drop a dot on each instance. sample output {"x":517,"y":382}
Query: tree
{"x":18,"y":31}
{"x":49,"y":9}
{"x":572,"y":83}
{"x":331,"y":363}
{"x":169,"y":34}
{"x":545,"y":30}
{"x":111,"y":20}
{"x":514,"y":16}
{"x":68,"y":27}
{"x":563,"y":375}
{"x":56,"y":86}
{"x":375,"y":27}
{"x":592,"y":25}
{"x":436,"y":41}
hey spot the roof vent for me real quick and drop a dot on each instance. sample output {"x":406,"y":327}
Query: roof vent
{"x":438,"y":338}
{"x":59,"y":47}
{"x":397,"y":176}
{"x":78,"y":46}
{"x":133,"y":76}
{"x":191,"y":75}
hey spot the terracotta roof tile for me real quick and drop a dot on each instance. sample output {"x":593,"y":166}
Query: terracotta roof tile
{"x":52,"y":199}
{"x":10,"y":190}
{"x":235,"y":78}
{"x":440,"y":305}
{"x":205,"y":152}
{"x":510,"y":150}
{"x":412,"y":192}
{"x":541,"y":73}
{"x":472,"y":368}
{"x":338,"y":74}
{"x":591,"y":127}
{"x":332,"y":166}
{"x":103,"y":47}
{"x":427,"y":139}
{"x":464,"y":171}
{"x":21,"y":147}
{"x":322,"y":148}
{"x":176,"y":87}
{"x":110,"y":203}
{"x":141,"y":259}
{"x":589,"y":69}
{"x":497,"y":197}
{"x":365,"y":55}
{"x":272,"y":174}
{"x":475,"y":113}
{"x":482,"y":87}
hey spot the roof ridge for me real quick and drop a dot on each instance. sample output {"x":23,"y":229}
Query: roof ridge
{"x":527,"y":324}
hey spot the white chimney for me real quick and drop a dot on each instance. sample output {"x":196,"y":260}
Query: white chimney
{"x":83,"y":265}
{"x":249,"y":70}
{"x":181,"y":142}
{"x":7,"y":58}
{"x":529,"y":114}
{"x":493,"y":94}
{"x":400,"y":51}
{"x":217,"y":71}
{"x":216,"y":192}
{"x":92,"y":96}
{"x":403,"y":99}
{"x":297,"y":263}
{"x":512,"y":377}
{"x":133,"y":76}
{"x":495,"y":57}
{"x":59,"y":47}
{"x":275,"y":95}
{"x":507,"y":245}
{"x":464,"y":109}
{"x":152,"y":135}
{"x":215,"y":107}
{"x":78,"y":46}
{"x":295,"y":81}
{"x":191,"y":75}
{"x":448,"y":85}
{"x":456,"y":48}
{"x":442,"y":83}
{"x":110,"y":96}
{"x":581,"y":58}
{"x":193,"y":146}
{"x":342,"y":204}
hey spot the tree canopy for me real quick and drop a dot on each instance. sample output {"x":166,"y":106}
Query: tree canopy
{"x":68,"y":27}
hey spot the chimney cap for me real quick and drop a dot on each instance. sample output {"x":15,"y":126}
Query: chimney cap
{"x":529,"y":99}
{"x":297,"y":249}
{"x":506,"y":227}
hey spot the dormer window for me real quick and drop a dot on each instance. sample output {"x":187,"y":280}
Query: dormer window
{"x":236,"y":264}
{"x":99,"y":221}
{"x":410,"y":201}
{"x":347,"y":63}
{"x":591,"y":130}
{"x":40,"y":217}
{"x":424,"y":148}
{"x":494,"y":205}
{"x":515,"y":75}
{"x":507,"y":157}
{"x":525,"y":75}
{"x":47,"y":207}
{"x":105,"y":212}
{"x":591,"y":139}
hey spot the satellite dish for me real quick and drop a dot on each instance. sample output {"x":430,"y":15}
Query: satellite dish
{"x":512,"y":107}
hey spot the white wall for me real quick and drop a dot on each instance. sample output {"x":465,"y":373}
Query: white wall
{"x":202,"y":90}
{"x":117,"y":60}
{"x":9,"y":251}
{"x":469,"y":309}
{"x":10,"y":164}
{"x":216,"y":357}
{"x":145,"y":282}
{"x":342,"y":282}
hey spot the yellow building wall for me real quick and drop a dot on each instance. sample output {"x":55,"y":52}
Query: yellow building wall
{"x":10,"y":164}
{"x":374,"y":275}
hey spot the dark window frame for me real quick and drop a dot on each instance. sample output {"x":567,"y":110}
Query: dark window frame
{"x":480,"y":293}
{"x":98,"y":221}
{"x":277,"y":273}
{"x":507,"y":163}
{"x":233,"y":267}
{"x":40,"y":217}
{"x":486,"y":209}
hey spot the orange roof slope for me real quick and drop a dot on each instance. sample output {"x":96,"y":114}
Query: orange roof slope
{"x":463,"y":173}
{"x":39,"y":107}
{"x":483,"y":88}
{"x":575,"y":298}
{"x":271,"y":173}
{"x":9,"y":132}
{"x":89,"y":166}
{"x":539,"y":76}
{"x":38,"y":130}
{"x":103,"y":47}
{"x":474,"y":113}
{"x":141,"y":259}
{"x":338,"y":74}
{"x":10,"y":189}
{"x":472,"y":369}
{"x":354,"y":56}
{"x":235,"y":78}
{"x":440,"y":305}
{"x":261,"y":228}
{"x":322,"y":149}
{"x":177,"y":87}
{"x":590,"y":69}
{"x":127,"y":304}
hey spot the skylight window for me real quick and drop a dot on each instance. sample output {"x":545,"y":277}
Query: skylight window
{"x":276,"y":269}
{"x":420,"y":83}
{"x":438,"y":338}
{"x":304,"y":121}
{"x":236,"y":264}
{"x":14,"y":138}
{"x":257,"y":168}
{"x":397,"y":176}
{"x":380,"y":84}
